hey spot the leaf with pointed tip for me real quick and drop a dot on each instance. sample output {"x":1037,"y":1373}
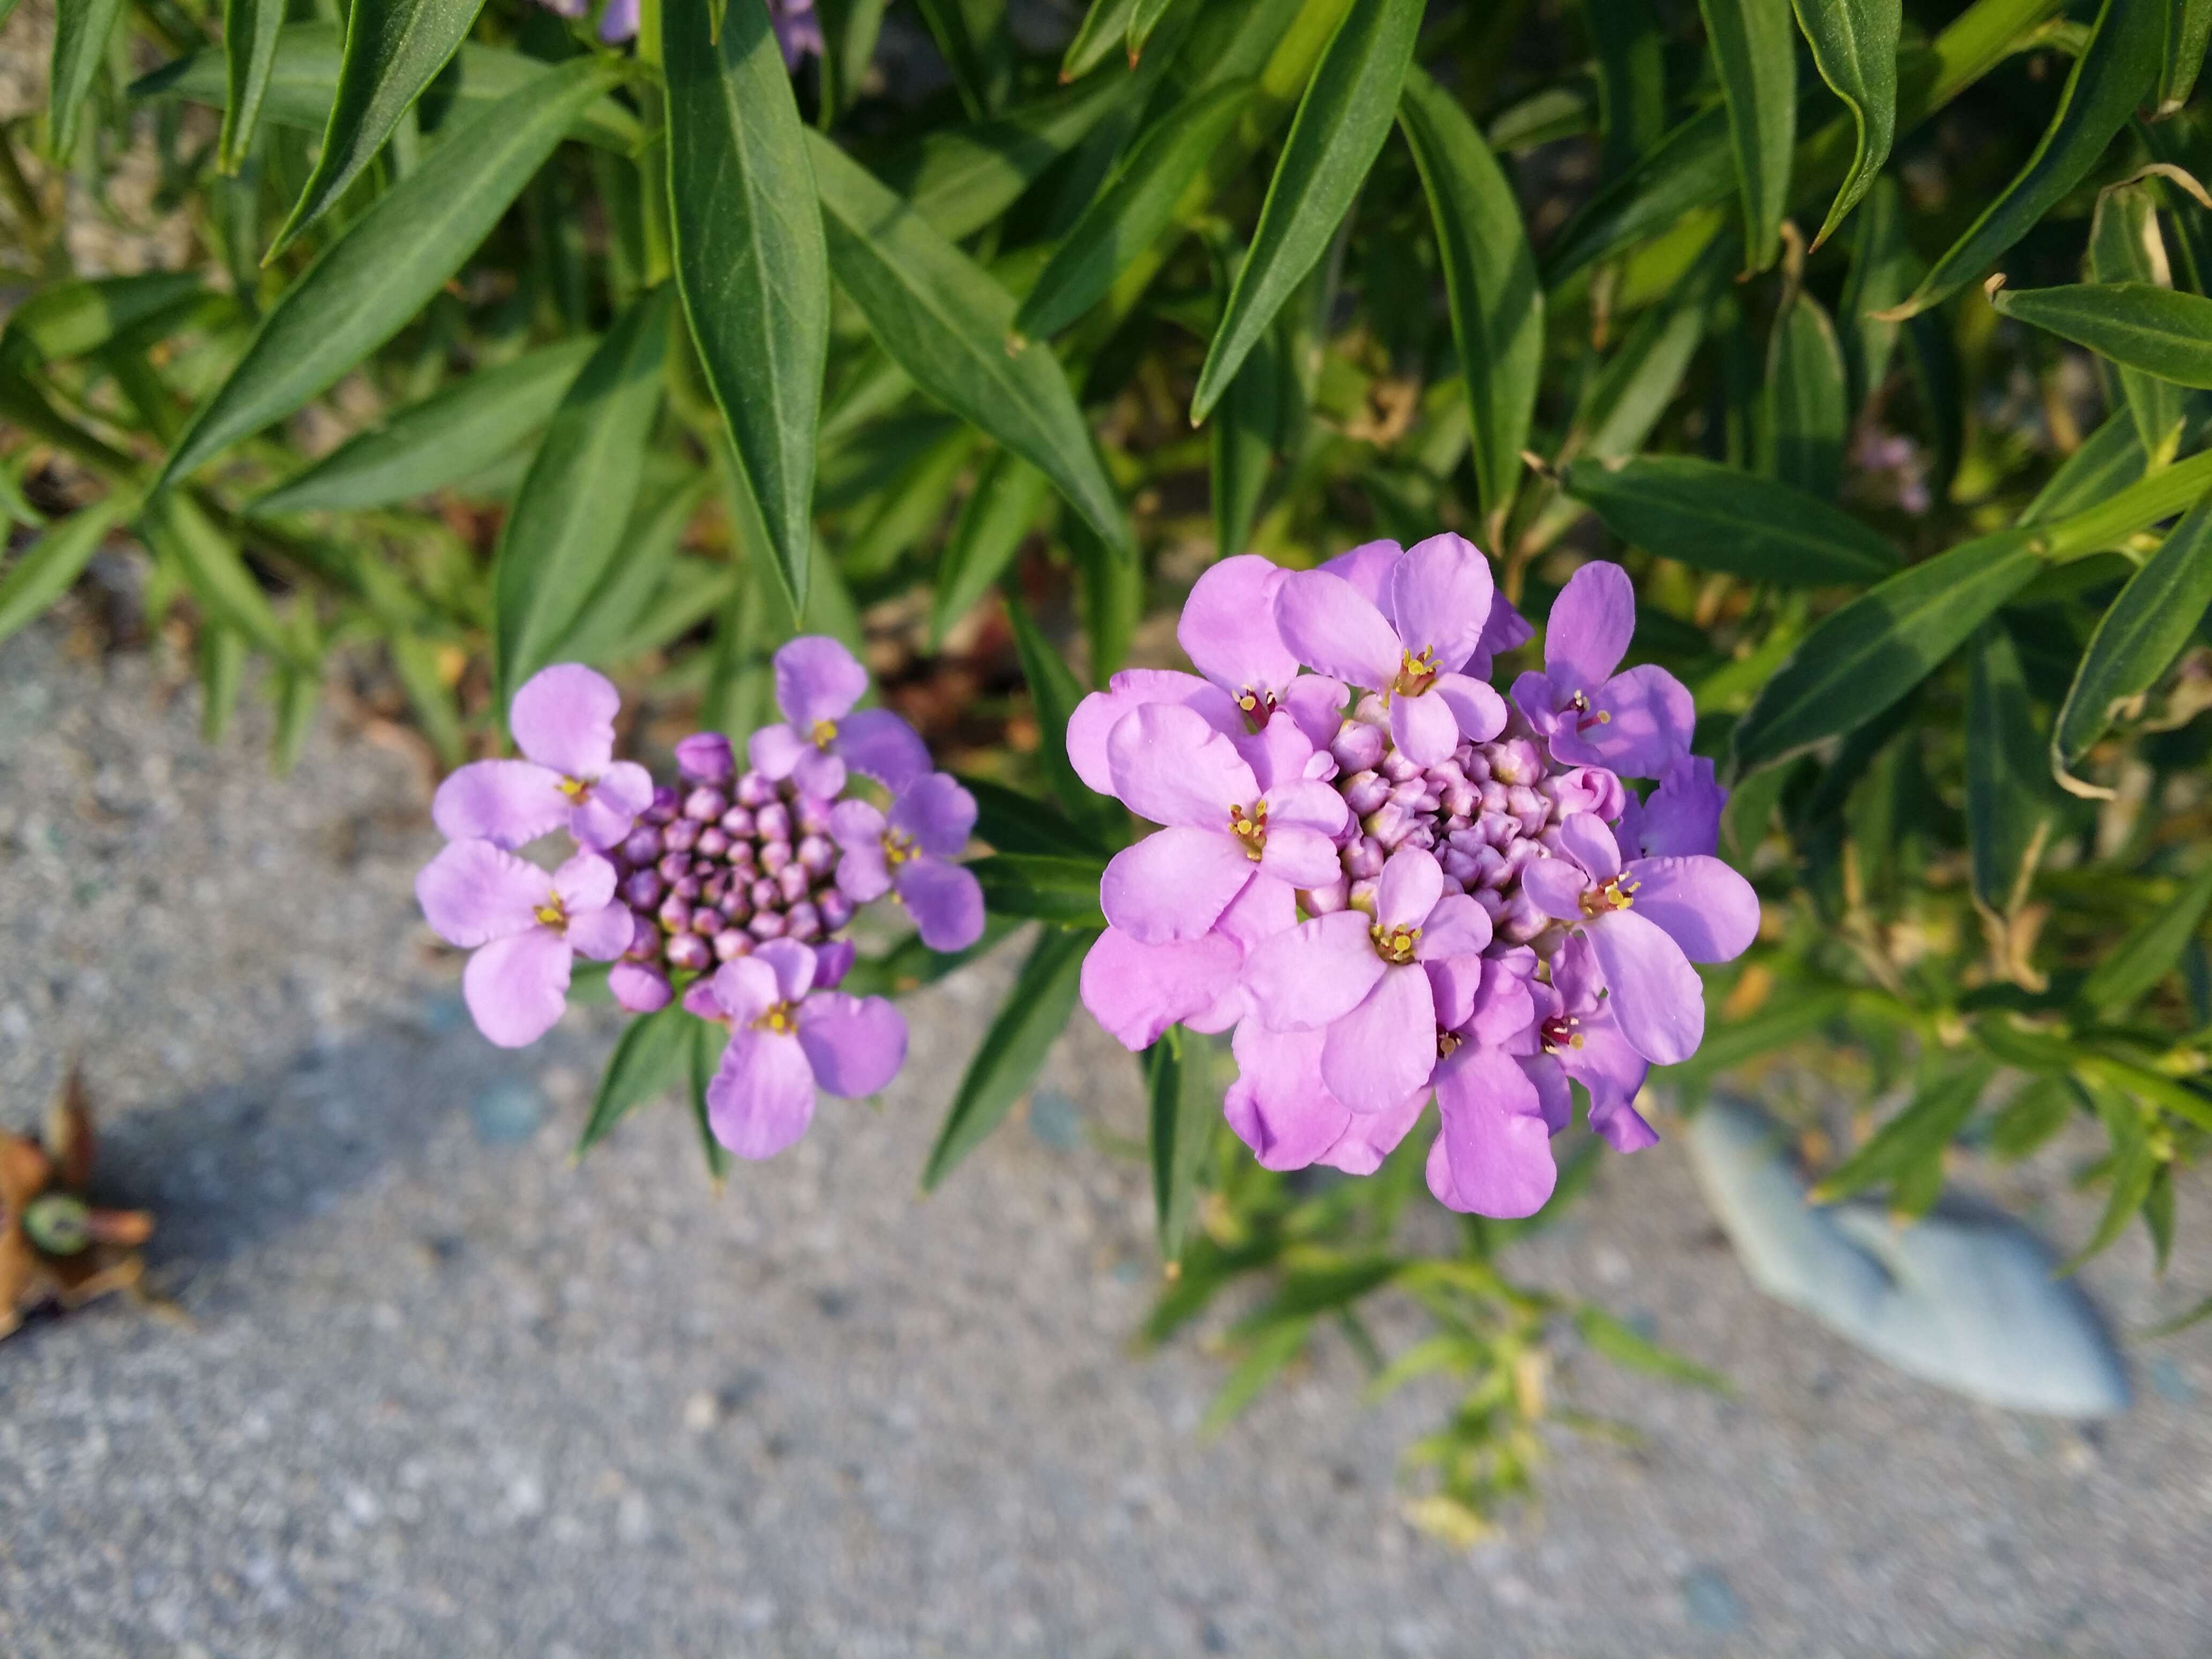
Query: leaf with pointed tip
{"x":1755,"y":54}
{"x":77,"y":317}
{"x":653,"y":1057}
{"x":1884,"y":268}
{"x":997,"y":517}
{"x":2140,"y":326}
{"x":2132,"y":969}
{"x":961,"y":178}
{"x":1855,"y":48}
{"x":81,"y":32}
{"x":250,"y":29}
{"x":974,"y":38}
{"x":2109,"y":460}
{"x":2125,"y":245}
{"x":1935,"y":1117}
{"x":393,"y":49}
{"x":1145,"y":18}
{"x":43,"y":571}
{"x":2188,"y":29}
{"x":372,"y":280}
{"x":708,"y":1041}
{"x":179,"y":530}
{"x":1040,"y":887}
{"x":1183,"y":1107}
{"x":1690,"y":168}
{"x":1104,"y":26}
{"x":940,"y":317}
{"x":1805,"y":415}
{"x":1712,"y":517}
{"x":1340,"y":129}
{"x":1010,"y":822}
{"x":2011,"y":808}
{"x":1631,"y":82}
{"x":750,"y":261}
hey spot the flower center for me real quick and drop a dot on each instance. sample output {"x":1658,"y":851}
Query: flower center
{"x":781,"y":1019}
{"x":1560,"y":1031}
{"x":1252,"y":830}
{"x":1415,"y":671}
{"x":552,"y":913}
{"x":1395,"y":944}
{"x":1587,"y":718}
{"x":1257,"y":707}
{"x":1446,"y":1043}
{"x":823,"y":733}
{"x":898,"y":848}
{"x":575,"y":788}
{"x":1617,"y":894}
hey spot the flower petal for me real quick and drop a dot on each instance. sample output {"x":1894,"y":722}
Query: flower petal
{"x":1314,"y":974}
{"x":1479,"y":711}
{"x":1592,"y":622}
{"x":1098,"y":714}
{"x":706,"y":757}
{"x":585,"y":883}
{"x":516,"y":986}
{"x":857,"y":823}
{"x":1424,"y":727}
{"x":1453,"y":984}
{"x":1386,"y":1047}
{"x":1302,"y":857}
{"x":1135,"y":992}
{"x":1440,"y":595}
{"x":1227,"y":626}
{"x":473,"y":892}
{"x":1506,"y":630}
{"x":603,"y":933}
{"x":1457,"y":927}
{"x":637,"y":989}
{"x":1505,"y":1008}
{"x":1367,"y":567}
{"x":792,"y":965}
{"x":761,"y":1098}
{"x":879,"y":745}
{"x":1657,"y":996}
{"x":508,"y":802}
{"x":864,"y":873}
{"x":1170,"y":766}
{"x":1557,"y":886}
{"x":564,"y":717}
{"x":937,"y":812}
{"x":774,"y":751}
{"x":817,"y":678}
{"x":1649,"y":716}
{"x":1710,"y":910}
{"x":1585,"y":838}
{"x":1370,"y":1137}
{"x":1173,"y":883}
{"x":1335,"y":630}
{"x":946,"y":901}
{"x":1315,"y":703}
{"x":1493,"y":1155}
{"x":818,"y":773}
{"x":1683,"y":817}
{"x":1304,"y":804}
{"x":1612,"y":1072}
{"x":1412,"y":883}
{"x":743,"y":990}
{"x":1278,"y":1105}
{"x":855,"y":1044}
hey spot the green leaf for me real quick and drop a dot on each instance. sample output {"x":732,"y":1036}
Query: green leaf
{"x":974,"y":38}
{"x":1000,"y":511}
{"x":1490,"y":283}
{"x":1641,"y":378}
{"x":1934,"y":1119}
{"x":475,"y":420}
{"x":1054,"y":691}
{"x":1718,"y":518}
{"x":2109,"y":459}
{"x":1143,"y":20}
{"x":2135,"y":642}
{"x":2131,"y":971}
{"x":1755,"y":52}
{"x":1342,"y":122}
{"x":1011,"y":822}
{"x":1013,"y":1050}
{"x":250,"y":28}
{"x":1692,"y":167}
{"x":2114,"y":73}
{"x":2149,"y":330}
{"x":564,"y":530}
{"x":2188,"y":29}
{"x":1883,"y":270}
{"x":2158,"y":1216}
{"x":1184,"y":1105}
{"x":179,"y":529}
{"x":222,"y":675}
{"x":2125,"y":247}
{"x":393,"y":49}
{"x":1110,"y":596}
{"x":1862,"y":659}
{"x":1632,"y":81}
{"x":708,"y":1041}
{"x":653,"y":1057}
{"x":940,"y":317}
{"x":1060,"y":889}
{"x":910,"y":964}
{"x":1241,"y":445}
{"x":44,"y":571}
{"x":1131,"y":212}
{"x":1271,"y":1352}
{"x":298,"y":688}
{"x":2010,"y":809}
{"x":76,"y":317}
{"x":401,"y":251}
{"x":2110,"y":523}
{"x":650,"y":595}
{"x":81,"y":32}
{"x":1854,"y":47}
{"x":1104,"y":26}
{"x":1624,"y":1345}
{"x":2135,"y":1165}
{"x":961,"y":178}
{"x":2038,"y":1112}
{"x":749,"y":257}
{"x":850,"y":29}
{"x":1806,"y":414}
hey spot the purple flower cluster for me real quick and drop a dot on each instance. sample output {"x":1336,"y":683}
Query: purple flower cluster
{"x":798,"y":30}
{"x":731,"y":887}
{"x":1433,"y":892}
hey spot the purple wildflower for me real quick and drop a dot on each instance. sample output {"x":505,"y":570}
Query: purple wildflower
{"x":1135,"y":991}
{"x":1634,"y":723}
{"x":1368,"y":568}
{"x":1228,"y":630}
{"x":908,"y":852}
{"x":563,"y":721}
{"x":817,"y":681}
{"x":1281,"y":1106}
{"x":787,"y":1039}
{"x":798,"y":30}
{"x":525,"y":927}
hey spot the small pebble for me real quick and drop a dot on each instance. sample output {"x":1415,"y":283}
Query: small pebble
{"x":1711,"y":1600}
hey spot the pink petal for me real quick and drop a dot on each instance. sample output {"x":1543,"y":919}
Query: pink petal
{"x":1173,"y":883}
{"x":1650,"y":718}
{"x":1612,"y":1073}
{"x":864,"y":873}
{"x":1313,"y":975}
{"x":856,"y":823}
{"x":1301,"y":857}
{"x":1493,"y":1156}
{"x":761,"y":1098}
{"x":946,"y":901}
{"x":818,"y":773}
{"x":1278,"y":1105}
{"x":509,"y":802}
{"x":775,"y":749}
{"x":516,"y":986}
{"x":1315,"y":703}
{"x":1424,"y":726}
{"x":1506,"y":630}
{"x":1711,"y":910}
{"x":702,"y":997}
{"x":1334,"y":631}
{"x":792,"y":965}
{"x":1266,"y":907}
{"x":1683,"y":817}
{"x":1385,"y":1048}
{"x":1440,"y":595}
{"x":1097,"y":715}
{"x":1585,"y":838}
{"x":1557,"y":886}
{"x":1657,"y":996}
{"x":603,"y":933}
{"x":1505,"y":1009}
{"x":1412,"y":883}
{"x":1135,"y":992}
{"x":937,"y":812}
{"x":1592,"y":622}
{"x":638,"y":989}
{"x":1306,"y":806}
{"x":1454,"y":982}
{"x":1367,"y":567}
{"x":472,"y":892}
{"x":1279,"y":753}
{"x":585,"y":882}
{"x":1457,"y":927}
{"x":564,"y":717}
{"x":1170,"y":766}
{"x":817,"y":678}
{"x":1479,"y":711}
{"x":1370,"y":1137}
{"x":878,"y":743}
{"x":743,"y":990}
{"x":855,"y":1044}
{"x":1227,"y":626}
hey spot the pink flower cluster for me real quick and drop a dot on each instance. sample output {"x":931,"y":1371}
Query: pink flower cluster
{"x":729,"y":887}
{"x":1394,"y":884}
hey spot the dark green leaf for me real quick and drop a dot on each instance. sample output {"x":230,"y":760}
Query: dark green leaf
{"x":850,"y":30}
{"x":1490,"y":281}
{"x":2140,"y":326}
{"x":997,"y":516}
{"x":1104,"y":26}
{"x":1143,"y":20}
{"x":1854,"y":47}
{"x":1240,"y":446}
{"x":2010,"y":806}
{"x":653,"y":1057}
{"x":564,"y":530}
{"x":1013,"y":1049}
{"x":1111,"y":595}
{"x":1934,"y":1119}
{"x":910,"y":964}
{"x":1632,"y":81}
{"x":1692,"y":167}
{"x":1625,"y":1344}
{"x":1716,"y":518}
{"x":1806,"y":414}
{"x":1755,"y":51}
{"x":2188,"y":28}
{"x":179,"y":530}
{"x":1342,"y":122}
{"x":1011,"y":822}
{"x":2110,"y":522}
{"x":393,"y":49}
{"x":1866,"y":656}
{"x":2158,"y":1216}
{"x":2038,"y":1112}
{"x":2134,"y":1166}
{"x":249,"y":42}
{"x":2132,"y":969}
{"x":1184,"y":1106}
{"x":43,"y":571}
{"x":977,"y":47}
{"x":1040,"y":889}
{"x":749,"y":259}
{"x":1884,"y":268}
{"x":1054,"y":691}
{"x":81,"y":32}
{"x":961,"y":178}
{"x":649,"y":595}
{"x":222,"y":675}
{"x":708,"y":1041}
{"x":2125,"y":247}
{"x":76,"y":318}
{"x":2109,"y":460}
{"x":448,"y":438}
{"x":391,"y":260}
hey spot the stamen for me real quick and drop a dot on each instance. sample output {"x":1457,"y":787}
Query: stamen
{"x":1617,"y":893}
{"x":551,"y":915}
{"x":898,"y":848}
{"x":1395,"y":944}
{"x":782,"y":1019}
{"x":1257,"y":709}
{"x":1415,"y":671}
{"x":1559,"y":1031}
{"x":575,"y":788}
{"x":1446,"y":1043}
{"x":1252,"y":830}
{"x":823,"y":733}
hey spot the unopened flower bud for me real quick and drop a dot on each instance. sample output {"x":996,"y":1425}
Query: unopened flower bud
{"x":1356,"y":748}
{"x":662,"y":807}
{"x":766,"y":925}
{"x":639,"y":989}
{"x":731,"y":943}
{"x":1396,"y":767}
{"x":688,"y":889}
{"x":673,"y":866}
{"x":736,"y":903}
{"x":706,"y":921}
{"x":1363,"y":792}
{"x":818,"y":853}
{"x":834,"y":909}
{"x":792,"y":883}
{"x":810,"y":816}
{"x":681,"y":836}
{"x":705,"y":757}
{"x":644,"y":937}
{"x":641,"y":890}
{"x":705,"y":804}
{"x":803,"y":922}
{"x":754,"y":791}
{"x":763,"y":894}
{"x":642,"y":847}
{"x":713,"y":843}
{"x":738,"y":823}
{"x":772,"y":822}
{"x":1363,"y":860}
{"x":674,"y":913}
{"x":1327,"y":901}
{"x":774,"y":856}
{"x":689,"y":952}
{"x":832,"y":962}
{"x":1387,"y":825}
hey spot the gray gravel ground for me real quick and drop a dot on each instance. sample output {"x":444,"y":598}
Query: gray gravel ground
{"x":437,"y":1392}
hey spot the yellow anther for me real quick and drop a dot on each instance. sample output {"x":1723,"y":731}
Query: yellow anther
{"x":823,"y":733}
{"x":575,"y":788}
{"x":782,"y":1019}
{"x":550,"y":914}
{"x":1252,"y":830}
{"x":1415,"y":671}
{"x":1616,"y":893}
{"x":1395,"y":944}
{"x":898,"y":848}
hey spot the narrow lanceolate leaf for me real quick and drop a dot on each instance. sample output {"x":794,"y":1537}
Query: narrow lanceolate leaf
{"x":1041,"y":888}
{"x":2135,"y":642}
{"x":1145,"y":18}
{"x":1690,"y":169}
{"x":1805,"y":413}
{"x":1855,"y":48}
{"x":81,"y":32}
{"x":973,"y":36}
{"x":708,"y":1043}
{"x":179,"y":531}
{"x":392,"y":259}
{"x":2011,"y":808}
{"x":393,"y":48}
{"x":1247,"y":428}
{"x":250,"y":29}
{"x":45,"y":569}
{"x":1490,"y":282}
{"x":940,"y":316}
{"x":1104,"y":28}
{"x":2115,"y":72}
{"x":2140,"y":326}
{"x":997,"y":517}
{"x":960,"y":178}
{"x":1755,"y":52}
{"x":1129,"y":216}
{"x":1054,"y":693}
{"x":1922,"y":1128}
{"x":2188,"y":31}
{"x":1013,"y":1049}
{"x":652,"y":1058}
{"x":2134,"y":968}
{"x":1011,"y":822}
{"x":1866,"y":656}
{"x":565,"y":529}
{"x":2134,"y":1166}
{"x":221,"y":652}
{"x":1340,"y":128}
{"x":1884,"y":268}
{"x":1183,"y":1108}
{"x":2110,"y":523}
{"x":76,"y":317}
{"x":1632,"y":81}
{"x":749,"y":257}
{"x":1719,"y":517}
{"x":450,"y":436}
{"x":2125,"y":245}
{"x":2109,"y":459}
